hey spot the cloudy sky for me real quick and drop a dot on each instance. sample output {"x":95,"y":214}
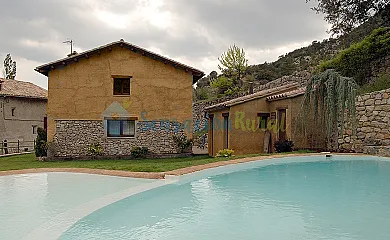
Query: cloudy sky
{"x":194,"y":32}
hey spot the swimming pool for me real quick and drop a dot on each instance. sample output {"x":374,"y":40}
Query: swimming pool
{"x":293,"y":198}
{"x":43,"y":205}
{"x":312,"y":197}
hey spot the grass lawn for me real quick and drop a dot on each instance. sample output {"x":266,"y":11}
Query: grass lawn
{"x":142,"y":165}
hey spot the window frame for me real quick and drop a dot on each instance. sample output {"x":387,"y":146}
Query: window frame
{"x":35,"y":128}
{"x":266,"y":117}
{"x":121,"y":135}
{"x":122,"y":79}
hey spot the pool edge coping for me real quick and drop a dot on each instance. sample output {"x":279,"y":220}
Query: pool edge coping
{"x":167,"y":174}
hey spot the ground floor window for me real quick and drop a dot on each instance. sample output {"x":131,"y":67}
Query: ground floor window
{"x":120,"y":128}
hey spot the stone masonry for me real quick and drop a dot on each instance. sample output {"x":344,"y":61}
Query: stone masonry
{"x":73,"y":137}
{"x":373,"y":126}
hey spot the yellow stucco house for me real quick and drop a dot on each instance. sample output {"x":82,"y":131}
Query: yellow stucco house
{"x":120,"y":96}
{"x":253,"y":123}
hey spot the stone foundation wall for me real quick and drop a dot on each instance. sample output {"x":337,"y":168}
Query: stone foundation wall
{"x":73,"y":137}
{"x":373,"y":127}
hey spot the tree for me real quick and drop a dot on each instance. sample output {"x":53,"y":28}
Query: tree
{"x":233,"y":64}
{"x":329,"y":103}
{"x":345,"y":15}
{"x":41,"y":143}
{"x":9,"y":67}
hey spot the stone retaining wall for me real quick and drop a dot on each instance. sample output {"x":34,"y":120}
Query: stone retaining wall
{"x":373,"y":127}
{"x":73,"y":137}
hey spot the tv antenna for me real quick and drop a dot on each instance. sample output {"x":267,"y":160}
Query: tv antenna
{"x":70,"y":42}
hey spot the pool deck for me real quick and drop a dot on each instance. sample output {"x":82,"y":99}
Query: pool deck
{"x":161,"y":175}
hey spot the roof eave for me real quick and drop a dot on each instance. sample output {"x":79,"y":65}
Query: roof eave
{"x":46,"y":68}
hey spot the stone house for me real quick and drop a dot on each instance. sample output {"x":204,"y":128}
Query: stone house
{"x":119,"y":96}
{"x":253,"y":123}
{"x":23,"y":110}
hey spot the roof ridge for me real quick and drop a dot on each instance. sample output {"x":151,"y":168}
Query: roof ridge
{"x":256,"y":95}
{"x":45,"y":68}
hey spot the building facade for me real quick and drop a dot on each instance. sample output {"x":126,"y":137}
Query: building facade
{"x":252,"y":124}
{"x":22,"y":111}
{"x":119,"y":96}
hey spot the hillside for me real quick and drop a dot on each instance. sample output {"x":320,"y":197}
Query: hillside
{"x":307,"y":58}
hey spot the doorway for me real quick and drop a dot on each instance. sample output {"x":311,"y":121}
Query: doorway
{"x":282,"y":134}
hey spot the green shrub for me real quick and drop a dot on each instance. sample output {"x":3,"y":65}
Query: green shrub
{"x":284,"y":146}
{"x":182,"y":142}
{"x":41,"y":143}
{"x":356,"y":60}
{"x":95,"y":149}
{"x":139,"y":152}
{"x":225,"y":153}
{"x":381,"y":83}
{"x":201,"y":93}
{"x":222,"y":84}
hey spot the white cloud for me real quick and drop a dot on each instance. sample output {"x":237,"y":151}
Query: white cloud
{"x":193,"y":32}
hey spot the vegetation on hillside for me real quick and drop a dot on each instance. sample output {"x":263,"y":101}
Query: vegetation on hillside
{"x":380,"y":83}
{"x":356,"y":61}
{"x":307,"y":58}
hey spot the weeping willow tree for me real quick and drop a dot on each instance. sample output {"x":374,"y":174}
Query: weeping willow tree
{"x":329,"y":103}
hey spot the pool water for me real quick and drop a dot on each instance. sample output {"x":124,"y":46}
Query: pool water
{"x":295,"y":198}
{"x":35,"y":206}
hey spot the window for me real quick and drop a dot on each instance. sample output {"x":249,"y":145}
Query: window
{"x":226,"y":130}
{"x":263,"y":120}
{"x":120,"y":128}
{"x":34,"y":127}
{"x":13,"y":112}
{"x":122,"y":86}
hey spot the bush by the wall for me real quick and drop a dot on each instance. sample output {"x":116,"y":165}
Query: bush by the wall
{"x":95,"y":149}
{"x":225,"y":153}
{"x":182,"y":142}
{"x":41,"y":143}
{"x":284,"y":146}
{"x":138,"y":152}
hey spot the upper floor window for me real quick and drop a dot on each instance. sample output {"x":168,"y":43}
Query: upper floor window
{"x":122,"y":86}
{"x":34,"y":128}
{"x":13,"y":112}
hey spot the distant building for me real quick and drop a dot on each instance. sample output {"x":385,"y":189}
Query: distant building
{"x":22,"y":111}
{"x":119,"y":96}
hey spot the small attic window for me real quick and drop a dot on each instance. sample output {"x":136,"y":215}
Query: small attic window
{"x":122,"y":85}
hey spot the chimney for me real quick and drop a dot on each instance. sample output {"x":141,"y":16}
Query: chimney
{"x":1,"y":84}
{"x":250,"y":87}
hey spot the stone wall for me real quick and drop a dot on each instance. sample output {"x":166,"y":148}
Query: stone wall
{"x":373,"y":127}
{"x":73,"y":137}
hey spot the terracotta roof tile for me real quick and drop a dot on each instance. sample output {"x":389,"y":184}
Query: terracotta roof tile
{"x":17,"y":88}
{"x":289,"y":94}
{"x":257,"y":95}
